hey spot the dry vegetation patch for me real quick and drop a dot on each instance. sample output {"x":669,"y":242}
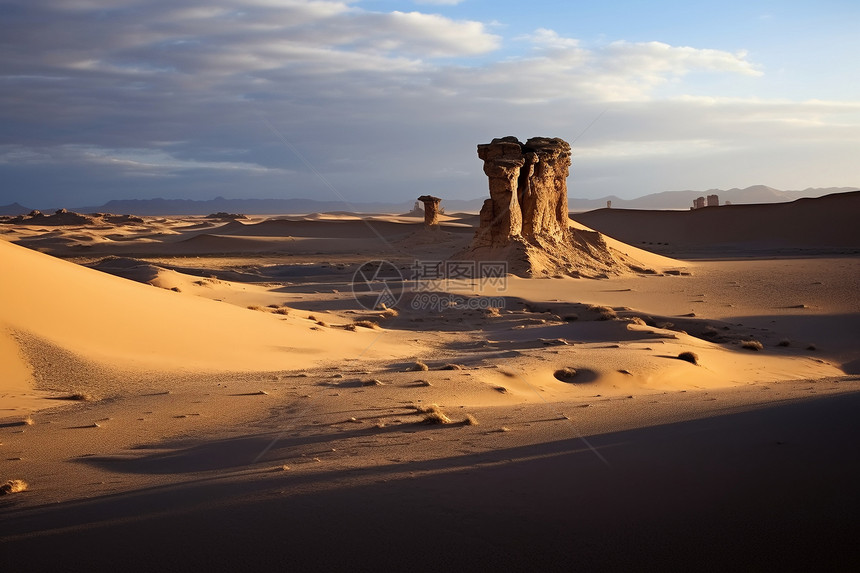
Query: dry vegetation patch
{"x":419,"y":366}
{"x":565,"y":374}
{"x":603,"y":312}
{"x":688,"y":356}
{"x":433,"y":414}
{"x":13,"y":486}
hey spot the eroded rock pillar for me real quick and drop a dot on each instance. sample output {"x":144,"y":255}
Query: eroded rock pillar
{"x":528,"y":190}
{"x":431,"y":210}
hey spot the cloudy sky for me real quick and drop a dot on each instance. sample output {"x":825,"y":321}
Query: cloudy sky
{"x":386,"y":100}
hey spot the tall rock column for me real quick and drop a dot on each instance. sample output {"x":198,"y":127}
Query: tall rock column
{"x":501,"y":215}
{"x":431,"y":210}
{"x":528,"y":190}
{"x":545,"y":192}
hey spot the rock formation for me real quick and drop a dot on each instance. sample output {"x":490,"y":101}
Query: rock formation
{"x":431,"y":210}
{"x":525,"y":221}
{"x":528,"y":190}
{"x":64,"y":217}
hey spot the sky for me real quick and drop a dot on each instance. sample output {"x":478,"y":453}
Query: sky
{"x":378,"y":100}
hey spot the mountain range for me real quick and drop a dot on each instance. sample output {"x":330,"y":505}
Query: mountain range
{"x":667,"y":200}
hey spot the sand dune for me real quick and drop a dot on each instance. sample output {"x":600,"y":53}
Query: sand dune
{"x":164,"y":410}
{"x":115,"y":321}
{"x":827,"y":222}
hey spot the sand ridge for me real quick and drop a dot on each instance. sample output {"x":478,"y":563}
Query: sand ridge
{"x":177,"y":377}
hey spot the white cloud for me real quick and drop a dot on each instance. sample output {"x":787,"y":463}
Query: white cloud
{"x":546,"y":38}
{"x":439,"y":2}
{"x":651,"y":58}
{"x":132,"y":161}
{"x":379,"y":102}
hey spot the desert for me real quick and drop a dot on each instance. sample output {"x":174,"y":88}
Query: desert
{"x":633,"y":389}
{"x":419,"y":285}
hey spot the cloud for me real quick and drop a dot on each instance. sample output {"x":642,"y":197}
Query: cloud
{"x":387,"y":105}
{"x":439,"y":2}
{"x":549,"y":39}
{"x":657,"y":58}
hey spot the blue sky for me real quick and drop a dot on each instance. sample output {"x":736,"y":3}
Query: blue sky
{"x":379,"y":100}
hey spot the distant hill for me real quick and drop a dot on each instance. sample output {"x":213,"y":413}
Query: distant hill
{"x":665,"y":200}
{"x":828,"y":223}
{"x":684,"y":199}
{"x":252,"y":206}
{"x":14,"y":210}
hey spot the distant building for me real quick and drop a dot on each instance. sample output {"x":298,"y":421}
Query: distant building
{"x":713,"y":201}
{"x":699,"y":203}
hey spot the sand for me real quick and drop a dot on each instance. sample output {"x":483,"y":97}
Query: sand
{"x":161,"y":422}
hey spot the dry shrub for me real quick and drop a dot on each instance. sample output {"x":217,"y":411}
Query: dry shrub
{"x":470,"y":420}
{"x":13,"y":486}
{"x":690,"y":357}
{"x":322,"y":323}
{"x":418,"y":367}
{"x":254,"y":307}
{"x":565,"y":374}
{"x":492,"y":312}
{"x":433,"y":414}
{"x":365,"y":324}
{"x":784,"y":342}
{"x":452,"y":367}
{"x":604,"y":312}
{"x":77,"y":396}
{"x":636,"y":320}
{"x":283,"y":310}
{"x":176,"y":289}
{"x":389,"y":313}
{"x":752,"y":345}
{"x":349,"y":327}
{"x":709,"y":331}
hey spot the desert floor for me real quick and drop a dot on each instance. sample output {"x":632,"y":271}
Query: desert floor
{"x":225,"y":395}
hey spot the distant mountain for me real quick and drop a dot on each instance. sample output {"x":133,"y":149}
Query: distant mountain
{"x":14,"y":209}
{"x":684,"y":199}
{"x":250,"y":206}
{"x":826,"y":222}
{"x":665,"y":200}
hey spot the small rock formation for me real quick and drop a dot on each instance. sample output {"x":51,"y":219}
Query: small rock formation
{"x":64,"y":217}
{"x":224,"y":216}
{"x":525,"y":222}
{"x":431,"y":210}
